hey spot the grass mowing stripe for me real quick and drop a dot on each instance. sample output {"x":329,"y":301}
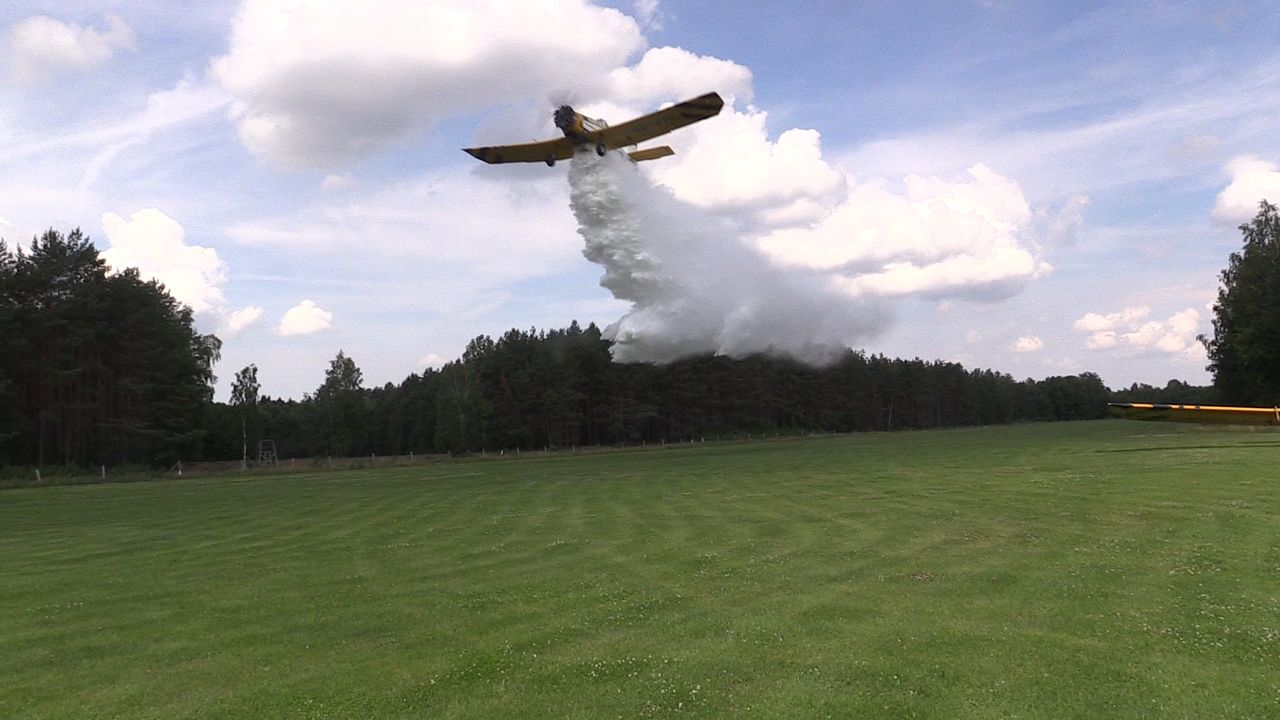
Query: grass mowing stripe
{"x":1107,"y":569}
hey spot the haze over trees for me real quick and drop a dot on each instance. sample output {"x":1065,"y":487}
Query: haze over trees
{"x":1244,"y":352}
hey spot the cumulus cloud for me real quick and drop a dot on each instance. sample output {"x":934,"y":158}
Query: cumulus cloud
{"x":41,"y":47}
{"x":1102,"y":340}
{"x":1129,"y":328}
{"x":936,"y":238}
{"x":155,"y":244}
{"x":1094,"y":322}
{"x":672,"y":73}
{"x":323,"y":84}
{"x":1028,"y":343}
{"x":348,"y":79}
{"x":1252,"y":180}
{"x":351,"y":78}
{"x":236,"y":322}
{"x":932,"y":236}
{"x":303,"y":319}
{"x":729,"y":164}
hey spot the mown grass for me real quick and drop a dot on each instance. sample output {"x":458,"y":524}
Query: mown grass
{"x":1084,"y":570}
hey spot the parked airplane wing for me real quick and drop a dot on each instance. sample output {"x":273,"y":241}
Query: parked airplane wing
{"x":664,"y":121}
{"x":1220,"y":414}
{"x":548,"y":151}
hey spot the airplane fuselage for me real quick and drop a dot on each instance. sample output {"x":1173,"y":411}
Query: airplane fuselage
{"x":580,"y":129}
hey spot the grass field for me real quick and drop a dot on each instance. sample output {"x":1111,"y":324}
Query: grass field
{"x":1083,"y":570}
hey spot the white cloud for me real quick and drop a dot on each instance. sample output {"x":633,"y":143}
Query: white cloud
{"x":1102,"y":339}
{"x":235,"y":322}
{"x":936,"y":238}
{"x":1028,"y":343}
{"x":155,"y":244}
{"x":303,"y":319}
{"x":352,"y":78}
{"x":671,"y":74}
{"x":432,"y":360}
{"x":1175,"y":335}
{"x":1178,"y":333}
{"x":1093,"y":322}
{"x":41,"y":47}
{"x":1252,"y":180}
{"x":728,"y":164}
{"x":323,"y":84}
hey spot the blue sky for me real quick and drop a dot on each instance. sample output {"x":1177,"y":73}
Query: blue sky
{"x":1038,"y":188}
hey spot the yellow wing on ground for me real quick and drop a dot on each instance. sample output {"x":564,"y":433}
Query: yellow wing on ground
{"x":664,"y":121}
{"x":1219,"y":414}
{"x":546,"y":151}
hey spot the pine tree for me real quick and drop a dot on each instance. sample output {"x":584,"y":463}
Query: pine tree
{"x":97,"y":367}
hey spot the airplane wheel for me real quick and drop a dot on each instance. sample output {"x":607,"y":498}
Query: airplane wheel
{"x":551,"y":161}
{"x":600,"y":149}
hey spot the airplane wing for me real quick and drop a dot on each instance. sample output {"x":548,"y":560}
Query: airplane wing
{"x":664,"y":121}
{"x":652,"y":153}
{"x":547,"y":151}
{"x":1220,"y":414}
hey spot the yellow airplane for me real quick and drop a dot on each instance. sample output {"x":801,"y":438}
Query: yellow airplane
{"x":582,"y":131}
{"x":1221,"y":414}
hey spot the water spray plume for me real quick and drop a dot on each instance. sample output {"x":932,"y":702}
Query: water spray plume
{"x":694,"y":285}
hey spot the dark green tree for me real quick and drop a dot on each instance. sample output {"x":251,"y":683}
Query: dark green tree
{"x":9,"y":309}
{"x":1244,"y":352}
{"x":461,"y":409}
{"x":95,"y":368}
{"x":341,"y":407}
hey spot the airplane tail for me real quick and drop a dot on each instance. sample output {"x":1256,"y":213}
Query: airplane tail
{"x":652,"y":153}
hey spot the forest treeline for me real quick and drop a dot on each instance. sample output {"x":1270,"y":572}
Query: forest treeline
{"x":95,"y":368}
{"x":101,"y":368}
{"x":534,"y":389}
